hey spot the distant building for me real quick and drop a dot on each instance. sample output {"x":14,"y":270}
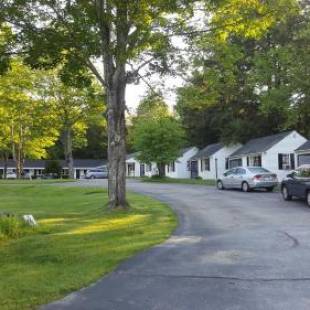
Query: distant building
{"x":303,"y":154}
{"x":36,"y":167}
{"x":275,"y":153}
{"x":180,"y":168}
{"x":135,"y":168}
{"x":211,"y":161}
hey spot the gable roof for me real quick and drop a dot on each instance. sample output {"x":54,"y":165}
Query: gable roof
{"x":208,"y":151}
{"x":132,"y":155}
{"x":184,"y":150}
{"x":304,"y":147}
{"x":40,"y":163}
{"x":260,"y":145}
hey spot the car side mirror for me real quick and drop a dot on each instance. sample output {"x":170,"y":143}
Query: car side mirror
{"x":291,"y":175}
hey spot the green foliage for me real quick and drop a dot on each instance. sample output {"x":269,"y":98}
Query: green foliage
{"x":155,"y":133}
{"x":6,"y":38}
{"x":53,"y":167}
{"x":27,"y":119}
{"x":158,"y":139}
{"x":249,"y":85}
{"x":96,"y":137}
{"x":76,"y":33}
{"x":153,"y":105}
{"x":11,"y":227}
{"x":250,"y":18}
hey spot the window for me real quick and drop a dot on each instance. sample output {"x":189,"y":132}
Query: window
{"x":254,"y":161}
{"x":235,"y":163}
{"x":230,"y":172}
{"x":226,"y":164}
{"x":171,"y":167}
{"x":259,"y":170}
{"x":303,"y":159}
{"x":240,"y":171}
{"x":286,"y":161}
{"x":131,"y":169}
{"x":206,"y":164}
{"x":148,"y":167}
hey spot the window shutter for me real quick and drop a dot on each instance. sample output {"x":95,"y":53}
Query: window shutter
{"x":259,"y":160}
{"x":292,"y":158}
{"x":248,"y":161}
{"x":280,"y":161}
{"x":201,"y":165}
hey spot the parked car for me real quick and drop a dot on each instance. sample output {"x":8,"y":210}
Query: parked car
{"x":97,"y":173}
{"x":297,"y":184}
{"x":11,"y":175}
{"x":248,"y":178}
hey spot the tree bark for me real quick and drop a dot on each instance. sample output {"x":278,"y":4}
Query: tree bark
{"x":68,"y":151}
{"x":161,"y":170}
{"x":116,"y":140}
{"x":5,"y":168}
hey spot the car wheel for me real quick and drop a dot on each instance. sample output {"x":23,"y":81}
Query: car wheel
{"x":285,"y":194}
{"x":93,"y":177}
{"x":270,"y":189}
{"x":308,"y":199}
{"x":220,"y":185}
{"x":245,"y":187}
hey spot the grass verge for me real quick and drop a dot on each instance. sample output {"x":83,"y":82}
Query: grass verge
{"x":35,"y":181}
{"x":78,"y":240}
{"x":179,"y":181}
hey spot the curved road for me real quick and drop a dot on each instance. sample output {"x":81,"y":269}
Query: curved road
{"x":232,"y":251}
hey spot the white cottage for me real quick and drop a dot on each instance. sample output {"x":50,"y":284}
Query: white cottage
{"x":303,"y":154}
{"x":36,"y":167}
{"x":180,"y":168}
{"x":134,"y":168}
{"x":275,"y":153}
{"x":211,"y":161}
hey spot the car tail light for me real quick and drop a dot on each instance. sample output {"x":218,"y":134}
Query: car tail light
{"x":257,"y":177}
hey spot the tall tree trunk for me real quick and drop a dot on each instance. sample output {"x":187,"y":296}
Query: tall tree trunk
{"x":116,"y":140}
{"x":161,"y":170}
{"x":5,"y":166}
{"x":68,"y":151}
{"x":18,"y":161}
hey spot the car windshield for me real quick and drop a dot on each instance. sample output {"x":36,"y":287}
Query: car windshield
{"x":258,"y":170}
{"x":303,"y":173}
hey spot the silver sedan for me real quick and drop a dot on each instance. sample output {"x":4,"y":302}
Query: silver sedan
{"x":248,"y":178}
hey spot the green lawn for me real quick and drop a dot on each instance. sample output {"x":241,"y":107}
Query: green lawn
{"x":180,"y":181}
{"x":78,"y":240}
{"x":35,"y":181}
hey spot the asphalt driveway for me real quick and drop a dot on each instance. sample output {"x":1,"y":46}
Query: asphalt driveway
{"x":232,"y":250}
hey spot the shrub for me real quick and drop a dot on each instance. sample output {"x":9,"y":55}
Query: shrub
{"x":11,"y":227}
{"x":53,"y":168}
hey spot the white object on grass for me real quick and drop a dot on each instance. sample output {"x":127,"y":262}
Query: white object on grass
{"x":29,"y":219}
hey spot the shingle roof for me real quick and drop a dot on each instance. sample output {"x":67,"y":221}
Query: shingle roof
{"x":40,"y":164}
{"x":132,"y":155}
{"x":260,"y":145}
{"x":304,"y":147}
{"x":208,"y":151}
{"x":184,"y":150}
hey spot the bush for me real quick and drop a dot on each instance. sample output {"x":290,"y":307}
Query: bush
{"x":53,"y":169}
{"x":10,"y":226}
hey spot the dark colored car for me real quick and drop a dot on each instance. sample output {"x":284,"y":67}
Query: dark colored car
{"x":297,"y":184}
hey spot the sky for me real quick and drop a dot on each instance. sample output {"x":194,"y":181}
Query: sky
{"x":135,"y":93}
